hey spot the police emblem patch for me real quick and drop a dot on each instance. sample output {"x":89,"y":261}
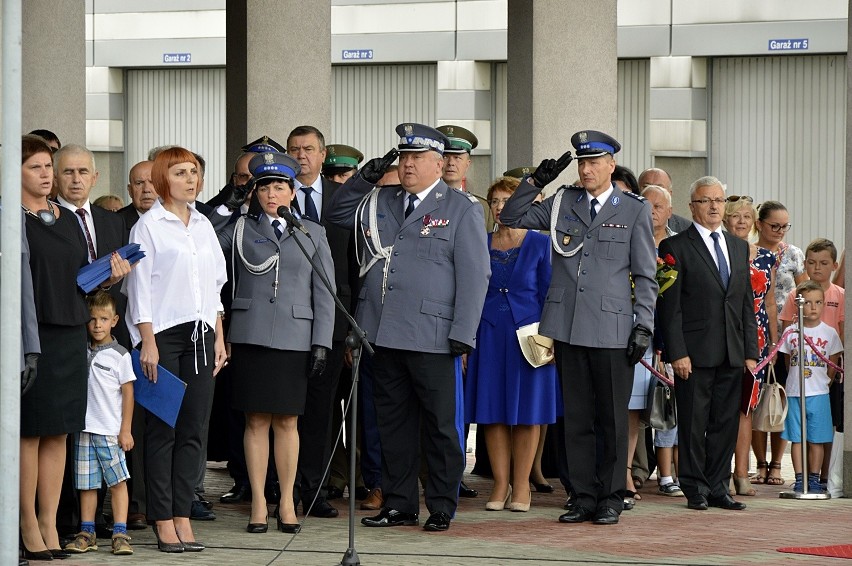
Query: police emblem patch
{"x":583,"y":137}
{"x":409,"y":129}
{"x":269,"y":158}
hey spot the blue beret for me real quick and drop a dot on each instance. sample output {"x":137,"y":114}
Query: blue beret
{"x":417,"y":137}
{"x":274,"y":165}
{"x":591,"y":143}
{"x":264,"y":144}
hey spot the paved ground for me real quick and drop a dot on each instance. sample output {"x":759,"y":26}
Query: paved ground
{"x":660,"y":530}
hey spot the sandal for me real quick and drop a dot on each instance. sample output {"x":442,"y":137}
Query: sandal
{"x":774,"y":480}
{"x":759,"y":478}
{"x":743,"y":486}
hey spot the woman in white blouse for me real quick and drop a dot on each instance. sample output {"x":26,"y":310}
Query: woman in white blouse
{"x":173,"y":316}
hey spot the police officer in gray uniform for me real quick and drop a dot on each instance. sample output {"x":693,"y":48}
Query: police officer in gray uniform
{"x":425,"y":264}
{"x":602,"y":239}
{"x":282,"y":319}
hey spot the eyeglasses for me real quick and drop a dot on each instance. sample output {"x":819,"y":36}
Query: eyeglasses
{"x":719,"y":201}
{"x":498,"y":201}
{"x":735,"y":198}
{"x":779,"y":227}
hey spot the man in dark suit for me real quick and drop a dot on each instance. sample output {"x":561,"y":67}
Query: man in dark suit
{"x":141,"y":191}
{"x":306,"y":145}
{"x":710,"y":336}
{"x":599,"y":311}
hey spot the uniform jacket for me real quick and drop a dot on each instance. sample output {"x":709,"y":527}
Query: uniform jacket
{"x":698,"y":317}
{"x":589,"y":300}
{"x":302,"y":314}
{"x":342,"y":246}
{"x":439,"y":267}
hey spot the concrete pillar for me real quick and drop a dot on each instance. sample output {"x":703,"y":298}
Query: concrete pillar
{"x":678,"y":129}
{"x":54,"y":68}
{"x":563,"y":76}
{"x":278,"y":69}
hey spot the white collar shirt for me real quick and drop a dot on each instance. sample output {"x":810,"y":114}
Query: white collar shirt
{"x":181,"y":275}
{"x":90,"y":224}
{"x":316,"y":195}
{"x":421,"y":196}
{"x":602,"y":198}
{"x":711,"y":246}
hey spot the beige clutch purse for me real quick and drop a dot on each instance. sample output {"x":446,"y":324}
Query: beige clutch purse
{"x":537,"y":349}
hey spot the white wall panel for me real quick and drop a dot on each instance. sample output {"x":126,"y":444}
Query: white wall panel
{"x":369,"y":101}
{"x":778,"y":131}
{"x":634,"y":114}
{"x":499,"y":159}
{"x":183,"y":107}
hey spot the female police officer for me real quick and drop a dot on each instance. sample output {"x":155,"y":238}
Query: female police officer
{"x":280,"y":330}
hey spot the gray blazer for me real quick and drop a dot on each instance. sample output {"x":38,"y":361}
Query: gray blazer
{"x":438,"y":271}
{"x":301,"y":313}
{"x":589,"y":300}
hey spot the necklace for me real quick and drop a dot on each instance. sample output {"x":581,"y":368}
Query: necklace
{"x":46,"y":216}
{"x":517,"y":241}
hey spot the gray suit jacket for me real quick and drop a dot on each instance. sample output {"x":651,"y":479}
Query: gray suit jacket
{"x":589,"y":300}
{"x":439,"y":267}
{"x":302,"y":313}
{"x":679,"y":223}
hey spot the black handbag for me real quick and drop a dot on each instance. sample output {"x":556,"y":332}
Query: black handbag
{"x":660,"y":411}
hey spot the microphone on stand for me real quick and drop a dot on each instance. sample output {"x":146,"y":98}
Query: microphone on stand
{"x":291,"y":219}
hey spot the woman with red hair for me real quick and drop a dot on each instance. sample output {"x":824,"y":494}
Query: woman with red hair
{"x":174,"y":317}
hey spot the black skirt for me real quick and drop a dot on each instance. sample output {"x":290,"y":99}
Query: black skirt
{"x":266,"y":380}
{"x":57,"y":402}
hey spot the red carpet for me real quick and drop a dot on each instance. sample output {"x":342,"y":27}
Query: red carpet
{"x":833,"y":551}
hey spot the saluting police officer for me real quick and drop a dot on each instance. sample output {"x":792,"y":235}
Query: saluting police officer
{"x":426,"y":270}
{"x":282,"y":319}
{"x":601,"y":238}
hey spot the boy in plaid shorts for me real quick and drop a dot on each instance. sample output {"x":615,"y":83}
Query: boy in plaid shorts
{"x":100,"y":447}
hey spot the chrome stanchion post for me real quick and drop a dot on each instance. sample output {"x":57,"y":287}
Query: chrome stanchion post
{"x":800,"y":304}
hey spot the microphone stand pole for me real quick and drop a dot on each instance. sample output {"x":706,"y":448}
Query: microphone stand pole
{"x":356,"y":340}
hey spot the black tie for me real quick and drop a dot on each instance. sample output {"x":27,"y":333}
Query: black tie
{"x":412,"y":201}
{"x":720,"y":257}
{"x":592,"y":210}
{"x":276,"y":225}
{"x":310,"y":207}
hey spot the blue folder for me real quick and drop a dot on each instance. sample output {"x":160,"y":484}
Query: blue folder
{"x":162,"y":398}
{"x":95,"y":273}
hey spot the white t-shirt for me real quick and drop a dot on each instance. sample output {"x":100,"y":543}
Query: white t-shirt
{"x":825,"y":338}
{"x":110,"y":367}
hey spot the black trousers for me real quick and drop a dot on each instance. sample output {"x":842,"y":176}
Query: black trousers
{"x":708,"y":404}
{"x":314,"y":426}
{"x":410,"y":388}
{"x":173,"y":455}
{"x":596,"y":386}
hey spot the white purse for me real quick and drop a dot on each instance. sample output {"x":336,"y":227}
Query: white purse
{"x":537,"y":349}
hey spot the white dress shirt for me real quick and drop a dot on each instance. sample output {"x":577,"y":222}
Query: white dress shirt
{"x":711,"y":246}
{"x":316,"y":195}
{"x":87,"y":206}
{"x":421,"y":196}
{"x":181,"y":275}
{"x":602,"y":198}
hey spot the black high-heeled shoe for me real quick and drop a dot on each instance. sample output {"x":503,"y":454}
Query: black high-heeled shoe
{"x":58,"y":553}
{"x":38,"y":555}
{"x":290,"y":528}
{"x":258,"y":527}
{"x":542,"y":487}
{"x":172,"y":547}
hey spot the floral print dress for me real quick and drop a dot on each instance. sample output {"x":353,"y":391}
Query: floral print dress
{"x":791,"y":264}
{"x":761,"y":279}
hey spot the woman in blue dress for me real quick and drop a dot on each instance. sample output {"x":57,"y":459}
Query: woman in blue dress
{"x":503,"y":392}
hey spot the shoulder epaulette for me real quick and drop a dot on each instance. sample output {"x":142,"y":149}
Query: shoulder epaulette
{"x":469,"y":196}
{"x":640,"y":198}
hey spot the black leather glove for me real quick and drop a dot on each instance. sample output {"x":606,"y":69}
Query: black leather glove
{"x":237,"y":195}
{"x":458,"y":348}
{"x":28,"y":376}
{"x":637,"y":345}
{"x":319,"y":359}
{"x":375,"y":168}
{"x":549,"y":169}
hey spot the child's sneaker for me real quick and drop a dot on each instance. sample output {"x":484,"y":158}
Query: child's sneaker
{"x":814,"y":486}
{"x":797,"y":485}
{"x":120,"y":545}
{"x":83,"y":542}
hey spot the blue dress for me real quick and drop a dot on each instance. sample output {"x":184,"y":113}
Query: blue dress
{"x":501,"y":386}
